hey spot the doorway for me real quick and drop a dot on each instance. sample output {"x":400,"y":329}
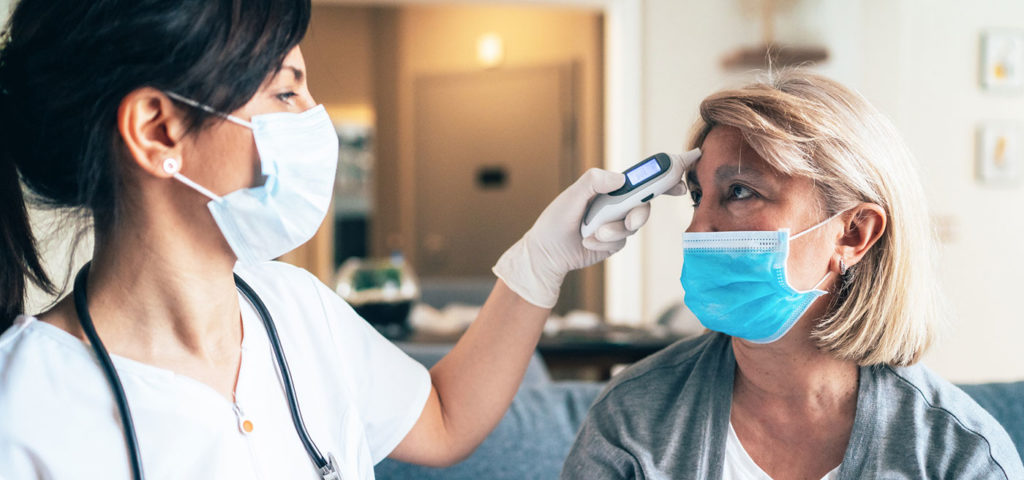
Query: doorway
{"x":435,"y":113}
{"x":492,"y":149}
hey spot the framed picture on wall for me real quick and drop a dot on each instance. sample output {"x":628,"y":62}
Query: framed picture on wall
{"x":1002,"y":60}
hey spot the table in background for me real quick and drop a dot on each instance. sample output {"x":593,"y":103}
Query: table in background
{"x":590,"y":354}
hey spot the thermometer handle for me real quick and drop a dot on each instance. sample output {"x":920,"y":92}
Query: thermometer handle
{"x":644,"y":181}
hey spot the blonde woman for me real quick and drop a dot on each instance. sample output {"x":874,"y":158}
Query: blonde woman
{"x":809,"y":258}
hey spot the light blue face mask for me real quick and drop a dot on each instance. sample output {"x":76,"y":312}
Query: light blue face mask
{"x":736,"y":283}
{"x":298,"y":159}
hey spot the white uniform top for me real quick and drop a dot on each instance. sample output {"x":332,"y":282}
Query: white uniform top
{"x":359,"y":396}
{"x":739,"y":465}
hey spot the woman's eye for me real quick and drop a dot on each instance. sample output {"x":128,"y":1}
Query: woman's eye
{"x":286,"y":96}
{"x":739,"y":192}
{"x":695,"y":195}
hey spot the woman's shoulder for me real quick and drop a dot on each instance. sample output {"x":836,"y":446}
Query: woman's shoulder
{"x":685,"y":366}
{"x":919,"y":390}
{"x":932,"y":415}
{"x":667,"y":413}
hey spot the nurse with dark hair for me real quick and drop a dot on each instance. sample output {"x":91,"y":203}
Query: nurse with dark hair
{"x":184,"y":134}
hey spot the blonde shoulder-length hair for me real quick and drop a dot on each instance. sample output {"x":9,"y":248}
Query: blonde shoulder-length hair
{"x":803,"y":124}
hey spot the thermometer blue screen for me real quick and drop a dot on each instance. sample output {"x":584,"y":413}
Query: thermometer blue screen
{"x":646,"y":170}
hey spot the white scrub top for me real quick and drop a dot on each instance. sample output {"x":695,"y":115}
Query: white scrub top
{"x":358,"y":393}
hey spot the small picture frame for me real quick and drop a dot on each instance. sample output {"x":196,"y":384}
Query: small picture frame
{"x":1002,"y":60}
{"x":1000,"y":153}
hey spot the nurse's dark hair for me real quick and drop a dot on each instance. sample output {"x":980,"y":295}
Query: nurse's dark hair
{"x":66,"y":65}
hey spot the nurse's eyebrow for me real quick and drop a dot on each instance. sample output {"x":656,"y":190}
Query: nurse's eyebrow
{"x":296,"y":72}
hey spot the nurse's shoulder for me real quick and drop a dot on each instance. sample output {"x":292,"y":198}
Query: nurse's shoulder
{"x":312,"y":319}
{"x":48,"y":385}
{"x":292,"y":294}
{"x":38,"y":364}
{"x":276,"y":276}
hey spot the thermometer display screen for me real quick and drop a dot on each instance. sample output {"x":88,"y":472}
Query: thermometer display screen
{"x":644,"y":171}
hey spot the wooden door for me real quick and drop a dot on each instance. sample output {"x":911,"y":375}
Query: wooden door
{"x":492,"y":149}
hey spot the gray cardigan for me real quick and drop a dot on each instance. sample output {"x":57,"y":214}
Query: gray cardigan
{"x":668,"y":416}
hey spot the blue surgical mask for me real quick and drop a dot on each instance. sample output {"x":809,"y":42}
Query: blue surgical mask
{"x":736,"y":283}
{"x":298,"y":159}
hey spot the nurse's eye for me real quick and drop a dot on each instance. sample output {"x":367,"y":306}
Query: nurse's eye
{"x":695,"y":195}
{"x":740,"y":192}
{"x":286,"y":97}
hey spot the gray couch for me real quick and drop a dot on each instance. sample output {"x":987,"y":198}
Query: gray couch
{"x":535,"y":435}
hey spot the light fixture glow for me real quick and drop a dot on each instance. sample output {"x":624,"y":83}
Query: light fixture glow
{"x":490,"y":50}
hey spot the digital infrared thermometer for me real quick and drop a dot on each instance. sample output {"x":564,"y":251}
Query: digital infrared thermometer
{"x":651,"y":177}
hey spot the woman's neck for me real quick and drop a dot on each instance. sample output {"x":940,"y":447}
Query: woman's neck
{"x":791,"y":393}
{"x":794,"y":372}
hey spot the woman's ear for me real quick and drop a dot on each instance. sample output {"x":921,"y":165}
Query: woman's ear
{"x":864,"y":225}
{"x":151,"y":127}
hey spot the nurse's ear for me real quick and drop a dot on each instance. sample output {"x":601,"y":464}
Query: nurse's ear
{"x":152,"y":127}
{"x":863,"y":225}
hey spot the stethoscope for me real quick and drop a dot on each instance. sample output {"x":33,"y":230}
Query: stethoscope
{"x":327,"y":467}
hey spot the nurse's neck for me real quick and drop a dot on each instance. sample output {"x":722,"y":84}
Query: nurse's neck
{"x":161,"y":292}
{"x":157,"y":293}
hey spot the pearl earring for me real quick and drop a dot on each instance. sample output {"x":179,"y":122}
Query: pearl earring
{"x":171,"y":165}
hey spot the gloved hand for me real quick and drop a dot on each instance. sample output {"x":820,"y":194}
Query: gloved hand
{"x":535,"y":266}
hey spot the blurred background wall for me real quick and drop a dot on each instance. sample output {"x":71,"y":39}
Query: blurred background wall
{"x":918,"y":61}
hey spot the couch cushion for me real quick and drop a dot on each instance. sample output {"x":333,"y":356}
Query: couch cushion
{"x":430,"y":353}
{"x":532,"y":440}
{"x":1005,"y":402}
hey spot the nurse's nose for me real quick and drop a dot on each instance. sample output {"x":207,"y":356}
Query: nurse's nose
{"x":305,"y":101}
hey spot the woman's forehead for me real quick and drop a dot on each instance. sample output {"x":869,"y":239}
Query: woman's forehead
{"x":725,"y":154}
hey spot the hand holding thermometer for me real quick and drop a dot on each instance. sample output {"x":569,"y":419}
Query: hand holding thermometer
{"x":645,"y":180}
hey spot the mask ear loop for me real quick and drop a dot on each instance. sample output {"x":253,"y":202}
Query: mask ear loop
{"x":208,"y":109}
{"x":172,"y":166}
{"x":809,"y":230}
{"x":815,"y":287}
{"x":819,"y":225}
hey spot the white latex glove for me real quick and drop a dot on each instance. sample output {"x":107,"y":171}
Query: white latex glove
{"x":535,"y":266}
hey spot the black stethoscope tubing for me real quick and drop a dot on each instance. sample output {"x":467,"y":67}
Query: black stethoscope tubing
{"x":324,"y":466}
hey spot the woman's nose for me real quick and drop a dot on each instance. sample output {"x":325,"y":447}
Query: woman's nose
{"x":701,"y":221}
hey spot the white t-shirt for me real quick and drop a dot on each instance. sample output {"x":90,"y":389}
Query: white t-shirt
{"x":739,"y":465}
{"x":359,"y":396}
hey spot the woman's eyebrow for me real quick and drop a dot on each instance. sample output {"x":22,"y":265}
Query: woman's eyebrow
{"x":691,"y":177}
{"x":725,"y":173}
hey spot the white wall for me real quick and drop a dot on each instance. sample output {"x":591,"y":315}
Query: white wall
{"x":916,"y":60}
{"x":938,"y":109}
